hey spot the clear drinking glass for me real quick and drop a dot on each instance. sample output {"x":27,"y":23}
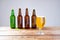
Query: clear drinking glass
{"x":40,"y":22}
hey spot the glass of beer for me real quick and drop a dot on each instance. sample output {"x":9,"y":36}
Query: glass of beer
{"x":40,"y":22}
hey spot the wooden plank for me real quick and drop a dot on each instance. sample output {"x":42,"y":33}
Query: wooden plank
{"x":46,"y":31}
{"x":50,"y":33}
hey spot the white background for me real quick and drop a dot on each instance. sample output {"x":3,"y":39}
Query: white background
{"x":48,"y":8}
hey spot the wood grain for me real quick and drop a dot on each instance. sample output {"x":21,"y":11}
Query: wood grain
{"x":50,"y":33}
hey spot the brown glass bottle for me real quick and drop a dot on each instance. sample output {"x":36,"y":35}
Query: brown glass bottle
{"x":33,"y":20}
{"x":27,"y":20}
{"x":20,"y":20}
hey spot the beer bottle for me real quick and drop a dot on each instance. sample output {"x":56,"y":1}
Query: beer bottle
{"x":27,"y":20}
{"x":19,"y":19}
{"x":12,"y":20}
{"x":33,"y":20}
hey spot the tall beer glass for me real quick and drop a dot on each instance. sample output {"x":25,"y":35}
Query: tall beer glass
{"x":40,"y":22}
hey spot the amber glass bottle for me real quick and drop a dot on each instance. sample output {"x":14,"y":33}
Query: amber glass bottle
{"x":33,"y":20}
{"x":27,"y":20}
{"x":20,"y":19}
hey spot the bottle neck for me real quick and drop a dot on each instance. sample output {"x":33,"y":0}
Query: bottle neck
{"x":12,"y":12}
{"x":26,"y":11}
{"x":34,"y":13}
{"x":19,"y":13}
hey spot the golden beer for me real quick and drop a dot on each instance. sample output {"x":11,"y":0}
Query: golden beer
{"x":40,"y":22}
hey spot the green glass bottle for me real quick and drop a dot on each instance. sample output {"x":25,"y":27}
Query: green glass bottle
{"x":12,"y":20}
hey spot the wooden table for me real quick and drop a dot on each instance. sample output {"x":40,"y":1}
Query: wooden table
{"x":50,"y":33}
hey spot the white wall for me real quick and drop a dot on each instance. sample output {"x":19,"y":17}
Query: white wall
{"x":48,"y":8}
